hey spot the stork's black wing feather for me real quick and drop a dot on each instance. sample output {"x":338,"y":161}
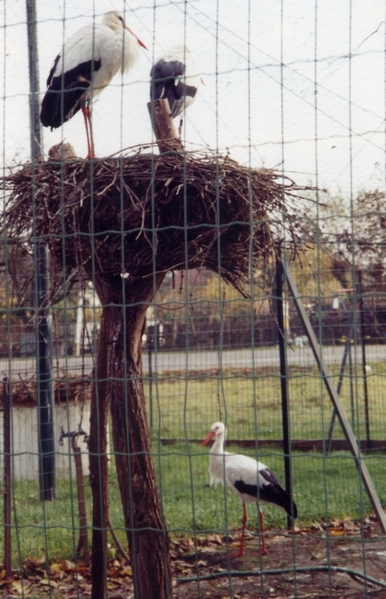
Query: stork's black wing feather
{"x":62,"y":98}
{"x":272,"y":492}
{"x":167,"y":82}
{"x":52,"y":71}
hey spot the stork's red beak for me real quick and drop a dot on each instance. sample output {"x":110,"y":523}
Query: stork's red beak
{"x":208,"y":438}
{"x":137,"y":38}
{"x":141,"y":43}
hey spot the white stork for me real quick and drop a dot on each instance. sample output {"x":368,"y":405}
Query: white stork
{"x":89,"y":60}
{"x":175,"y":76}
{"x":251,"y":480}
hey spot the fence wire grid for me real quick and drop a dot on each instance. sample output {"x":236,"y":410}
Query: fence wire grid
{"x":145,"y":294}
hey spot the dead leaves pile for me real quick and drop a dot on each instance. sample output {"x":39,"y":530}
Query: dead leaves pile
{"x":338,"y":528}
{"x":63,"y":579}
{"x":190,"y":557}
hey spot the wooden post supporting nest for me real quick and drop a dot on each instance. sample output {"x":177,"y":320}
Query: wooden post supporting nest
{"x":118,"y":379}
{"x":99,"y":469}
{"x":163,"y":126}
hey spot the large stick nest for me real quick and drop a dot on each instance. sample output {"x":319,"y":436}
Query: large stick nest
{"x":136,"y":215}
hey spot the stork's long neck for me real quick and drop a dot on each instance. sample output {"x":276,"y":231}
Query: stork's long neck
{"x":218,"y":445}
{"x":130,"y":49}
{"x":216,"y":460}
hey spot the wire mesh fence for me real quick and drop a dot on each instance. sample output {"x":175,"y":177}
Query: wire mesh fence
{"x":227,"y":266}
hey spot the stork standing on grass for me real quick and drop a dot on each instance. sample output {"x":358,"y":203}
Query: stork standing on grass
{"x":89,"y":60}
{"x":251,"y":480}
{"x":175,"y":76}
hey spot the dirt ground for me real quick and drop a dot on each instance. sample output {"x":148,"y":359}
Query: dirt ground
{"x":296,"y":567}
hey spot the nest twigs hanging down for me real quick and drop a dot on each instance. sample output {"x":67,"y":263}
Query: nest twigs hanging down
{"x":135,"y":215}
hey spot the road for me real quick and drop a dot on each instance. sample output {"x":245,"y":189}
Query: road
{"x":259,"y":358}
{"x":180,"y":361}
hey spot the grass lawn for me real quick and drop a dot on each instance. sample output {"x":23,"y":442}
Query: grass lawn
{"x":184,"y":409}
{"x":323,"y":488}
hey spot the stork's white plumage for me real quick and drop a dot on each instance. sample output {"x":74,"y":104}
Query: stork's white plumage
{"x":89,"y":60}
{"x":251,"y":480}
{"x":175,"y":76}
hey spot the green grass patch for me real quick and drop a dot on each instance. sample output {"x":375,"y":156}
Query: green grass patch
{"x":184,"y":408}
{"x":324,"y":487}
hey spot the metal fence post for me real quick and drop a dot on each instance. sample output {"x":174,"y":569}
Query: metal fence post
{"x":46,"y":442}
{"x":284,"y":382}
{"x":7,"y":479}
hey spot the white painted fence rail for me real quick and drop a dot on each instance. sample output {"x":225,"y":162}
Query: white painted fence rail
{"x":24,"y":440}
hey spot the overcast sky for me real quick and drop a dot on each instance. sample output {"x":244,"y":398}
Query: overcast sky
{"x":324,"y":117}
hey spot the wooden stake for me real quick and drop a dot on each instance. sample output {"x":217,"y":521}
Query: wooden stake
{"x":83,"y":535}
{"x":163,"y":126}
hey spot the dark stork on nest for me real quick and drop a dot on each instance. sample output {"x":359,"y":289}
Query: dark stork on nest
{"x":175,"y":76}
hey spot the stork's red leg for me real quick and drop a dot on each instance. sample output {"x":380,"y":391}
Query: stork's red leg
{"x":245,"y":518}
{"x":263,"y":547}
{"x":90,"y":141}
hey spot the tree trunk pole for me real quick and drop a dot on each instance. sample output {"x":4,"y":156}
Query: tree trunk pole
{"x":99,"y":463}
{"x":119,"y":380}
{"x":145,"y":526}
